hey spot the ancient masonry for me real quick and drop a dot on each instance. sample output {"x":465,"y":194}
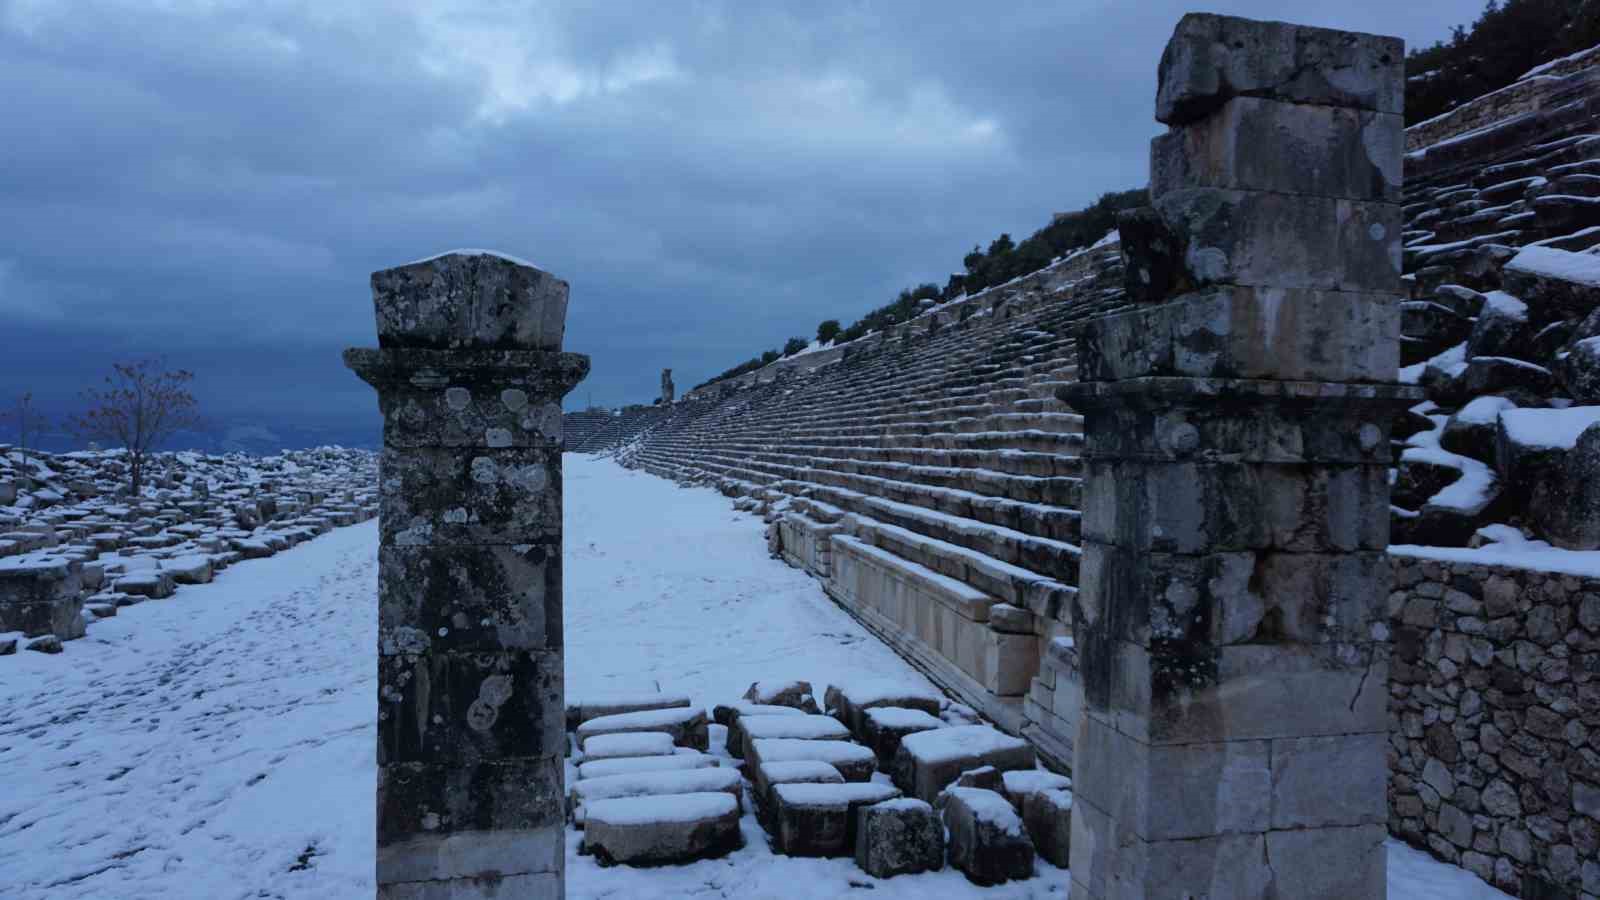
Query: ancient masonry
{"x":74,"y":548}
{"x":933,"y":479}
{"x":668,"y":392}
{"x":470,"y":375}
{"x":1229,"y":620}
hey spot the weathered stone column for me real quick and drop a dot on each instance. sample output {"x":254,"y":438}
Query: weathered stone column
{"x":1230,"y":620}
{"x":470,"y":706}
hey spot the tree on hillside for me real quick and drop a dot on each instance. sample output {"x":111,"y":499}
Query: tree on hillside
{"x":828,"y":330}
{"x":769,"y":357}
{"x":140,"y":407}
{"x":26,"y":421}
{"x":794,"y":345}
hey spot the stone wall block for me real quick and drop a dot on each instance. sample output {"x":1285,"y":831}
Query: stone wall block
{"x":1222,"y":507}
{"x":466,"y":708}
{"x":1324,"y":151}
{"x":1173,"y":694}
{"x":469,"y":598}
{"x":1244,"y":421}
{"x":1261,"y":238}
{"x":436,"y":496}
{"x":1249,"y":332}
{"x":1211,"y":59}
{"x":425,"y":803}
{"x":1333,"y":780}
{"x":465,"y":300}
{"x":1218,"y":599}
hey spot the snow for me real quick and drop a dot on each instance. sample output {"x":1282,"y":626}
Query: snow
{"x":1484,"y":410}
{"x":1562,"y":265}
{"x":1552,"y":64}
{"x":202,"y":746}
{"x":961,"y":742}
{"x":515,"y":260}
{"x":1513,"y":552}
{"x":864,"y":692}
{"x":1469,"y":493}
{"x":633,"y":743}
{"x":651,"y":810}
{"x":897,"y":717}
{"x":808,"y":793}
{"x":810,"y":728}
{"x":604,"y":768}
{"x":1507,"y":305}
{"x":1556,"y":429}
{"x":1032,"y":781}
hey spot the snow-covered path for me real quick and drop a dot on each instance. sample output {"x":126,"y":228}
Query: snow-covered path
{"x":220,"y":744}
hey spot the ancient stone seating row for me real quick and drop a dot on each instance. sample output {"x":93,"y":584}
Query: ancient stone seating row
{"x":882,"y":777}
{"x":578,"y":427}
{"x":928,"y":479}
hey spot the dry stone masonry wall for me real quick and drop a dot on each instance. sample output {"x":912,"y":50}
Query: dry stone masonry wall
{"x":1495,"y":722}
{"x":75,"y":548}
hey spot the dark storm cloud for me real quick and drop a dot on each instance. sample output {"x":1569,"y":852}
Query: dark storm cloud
{"x":213,"y":181}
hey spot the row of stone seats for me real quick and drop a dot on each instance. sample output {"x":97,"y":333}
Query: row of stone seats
{"x":578,"y":427}
{"x":937,"y":460}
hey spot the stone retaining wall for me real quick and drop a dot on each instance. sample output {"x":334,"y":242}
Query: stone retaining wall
{"x":1495,"y":723}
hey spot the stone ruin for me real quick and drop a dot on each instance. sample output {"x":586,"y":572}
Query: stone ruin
{"x":470,"y":375}
{"x":668,"y":392}
{"x":933,"y":476}
{"x":74,"y":548}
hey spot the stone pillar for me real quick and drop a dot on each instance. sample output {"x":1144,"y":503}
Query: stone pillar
{"x":1230,"y":619}
{"x":668,"y":392}
{"x":470,"y":376}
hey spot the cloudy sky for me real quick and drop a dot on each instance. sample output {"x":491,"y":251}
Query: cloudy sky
{"x":214,"y":181}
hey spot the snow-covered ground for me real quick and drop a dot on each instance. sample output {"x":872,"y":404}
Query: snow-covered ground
{"x":220,"y":744}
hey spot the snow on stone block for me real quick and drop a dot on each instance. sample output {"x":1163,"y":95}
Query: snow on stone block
{"x":803,"y":771}
{"x":651,"y":784}
{"x":154,"y":584}
{"x":899,"y":837}
{"x":628,"y":765}
{"x":819,"y":819}
{"x":730,"y":715}
{"x":626,"y":744}
{"x":593,"y":706}
{"x":1548,"y":429}
{"x":655,"y":830}
{"x":192,"y":569}
{"x":847,"y":702}
{"x":883,"y":727}
{"x":987,"y":840}
{"x":1019,"y":784}
{"x":796,"y":694}
{"x":930,"y":760}
{"x":726,"y":713}
{"x":854,"y":762}
{"x":1561,"y":265}
{"x":801,"y":727}
{"x":687,"y":726}
{"x":1048,"y":817}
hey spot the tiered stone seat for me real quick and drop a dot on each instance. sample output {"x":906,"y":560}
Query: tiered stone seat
{"x":927,"y":476}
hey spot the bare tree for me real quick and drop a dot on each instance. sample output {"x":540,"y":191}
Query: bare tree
{"x":139,"y":408}
{"x":28,"y":423}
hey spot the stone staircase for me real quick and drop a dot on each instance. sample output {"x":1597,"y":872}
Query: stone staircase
{"x":578,"y":427}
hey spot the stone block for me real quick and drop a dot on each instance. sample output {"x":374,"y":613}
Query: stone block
{"x":899,"y":837}
{"x":630,"y":745}
{"x":584,"y":707}
{"x":419,"y":804}
{"x":1330,"y":781}
{"x":729,"y":716}
{"x":791,"y":693}
{"x":987,"y":840}
{"x":654,"y":830}
{"x":687,"y":726}
{"x":467,"y":707}
{"x":443,"y":496}
{"x":765,"y":777}
{"x":1232,"y":331}
{"x":820,"y":819}
{"x":670,"y":761}
{"x":853,"y":761}
{"x":465,"y":598}
{"x":469,"y":299}
{"x":885,"y":726}
{"x":847,"y":702}
{"x":650,"y":784}
{"x":1239,"y":692}
{"x":801,"y":727}
{"x":929,"y":761}
{"x":1211,"y":59}
{"x":1324,"y":151}
{"x":1048,"y":817}
{"x":1263,"y":239}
